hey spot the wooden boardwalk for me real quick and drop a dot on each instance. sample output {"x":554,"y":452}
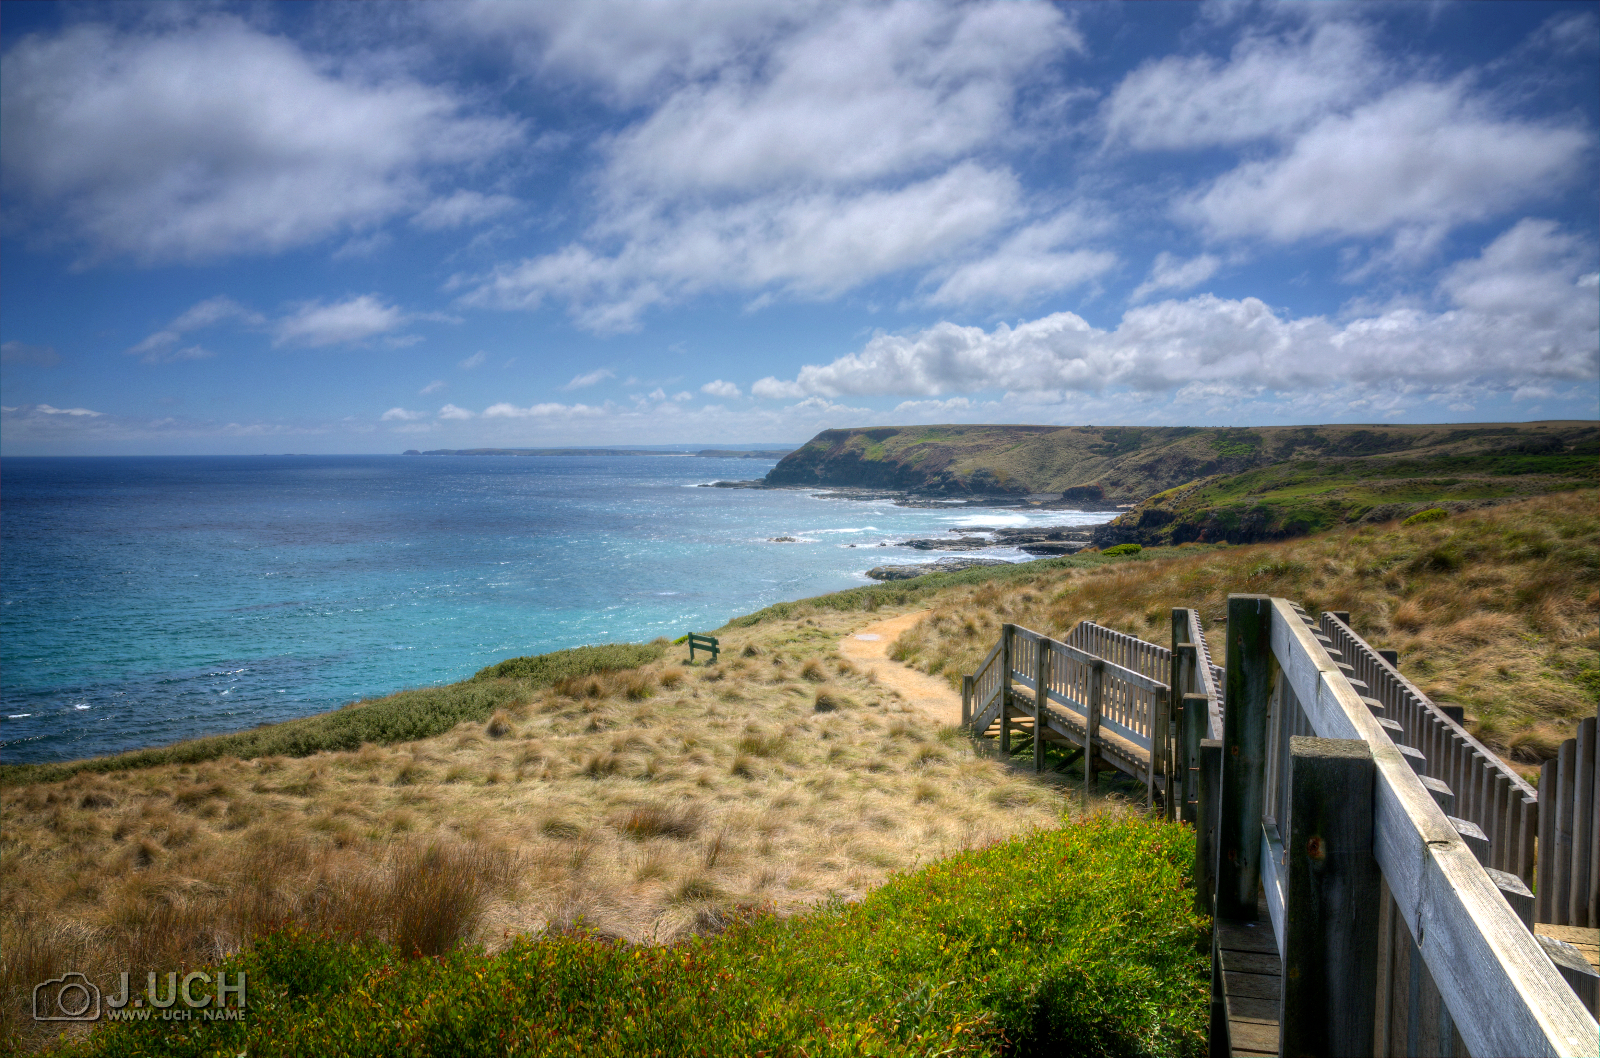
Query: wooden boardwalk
{"x":1369,"y":864}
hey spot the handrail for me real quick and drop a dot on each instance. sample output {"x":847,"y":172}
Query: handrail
{"x":1502,"y":993}
{"x":1487,"y":790}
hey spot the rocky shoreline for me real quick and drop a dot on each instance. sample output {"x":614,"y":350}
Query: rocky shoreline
{"x":1049,"y":541}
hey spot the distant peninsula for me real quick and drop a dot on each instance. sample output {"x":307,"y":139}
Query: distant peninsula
{"x":1177,"y":484}
{"x":710,"y":453}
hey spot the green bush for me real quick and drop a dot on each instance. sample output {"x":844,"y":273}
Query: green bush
{"x":1122,"y":549}
{"x":1080,"y":940}
{"x":1432,"y":514}
{"x":545,"y":669}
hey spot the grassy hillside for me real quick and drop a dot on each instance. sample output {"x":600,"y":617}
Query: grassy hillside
{"x":1495,"y":610}
{"x":1233,"y":484}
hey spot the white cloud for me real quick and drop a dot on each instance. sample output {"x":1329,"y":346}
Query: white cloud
{"x":1029,"y":263}
{"x":859,"y":94}
{"x":813,"y":245}
{"x":354,"y":320}
{"x":1269,"y":87}
{"x":477,"y":359}
{"x":160,"y":347}
{"x":432,"y":387}
{"x":23,"y":353}
{"x":1523,"y":312}
{"x":75,"y":412}
{"x":400,"y":415}
{"x":719,"y":388}
{"x":462,"y":208}
{"x":772,"y":388}
{"x":1174,"y":273}
{"x":450,"y":411}
{"x":1418,"y":162}
{"x":541,"y":411}
{"x":682,"y":396}
{"x":599,"y":374}
{"x":209,"y":138}
{"x":790,"y":152}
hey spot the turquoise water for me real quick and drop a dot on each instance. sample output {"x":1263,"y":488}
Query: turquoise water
{"x":145,"y":600}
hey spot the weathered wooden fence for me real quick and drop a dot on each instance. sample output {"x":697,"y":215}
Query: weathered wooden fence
{"x":1108,"y":709}
{"x":1377,"y":897}
{"x":1569,"y":833}
{"x":1487,"y":791}
{"x":1389,"y":850}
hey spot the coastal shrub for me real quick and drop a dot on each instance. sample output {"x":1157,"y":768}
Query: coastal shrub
{"x":1432,"y":514}
{"x":545,"y":669}
{"x":1081,"y":939}
{"x":1122,"y":549}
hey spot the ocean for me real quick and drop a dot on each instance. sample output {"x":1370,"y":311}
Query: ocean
{"x":146,"y":600}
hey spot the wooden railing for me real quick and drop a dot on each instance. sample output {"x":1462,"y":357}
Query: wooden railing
{"x":1376,"y":897}
{"x":1569,"y":833}
{"x":1487,"y":791}
{"x":1107,"y":708}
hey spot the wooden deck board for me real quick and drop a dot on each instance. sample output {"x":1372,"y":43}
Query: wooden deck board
{"x":1586,"y":940}
{"x":1251,"y":984}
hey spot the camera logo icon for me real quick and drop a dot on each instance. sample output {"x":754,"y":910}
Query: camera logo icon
{"x":70,"y":997}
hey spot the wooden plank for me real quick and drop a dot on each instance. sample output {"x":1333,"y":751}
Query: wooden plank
{"x":1251,"y":985}
{"x":1504,"y":997}
{"x":1254,"y":962}
{"x":1251,"y":675}
{"x":1583,"y":820}
{"x":1246,"y":936}
{"x":1330,"y":944}
{"x":1585,"y":939}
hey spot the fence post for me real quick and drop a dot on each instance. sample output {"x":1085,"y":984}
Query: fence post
{"x":966,"y":700}
{"x":1091,"y":727}
{"x":1007,"y":634}
{"x":1583,"y":822}
{"x":1545,"y":879}
{"x":1195,"y":707}
{"x":1330,"y":969}
{"x":1041,"y":683}
{"x":1252,"y":673}
{"x":1209,"y":810}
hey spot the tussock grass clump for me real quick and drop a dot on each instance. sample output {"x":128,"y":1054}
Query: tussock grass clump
{"x":1080,"y":939}
{"x":660,"y":821}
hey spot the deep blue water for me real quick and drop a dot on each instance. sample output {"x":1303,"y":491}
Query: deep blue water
{"x":145,"y":600}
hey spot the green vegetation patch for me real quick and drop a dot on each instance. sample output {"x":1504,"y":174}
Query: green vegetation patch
{"x":419,"y":713}
{"x":1432,"y":514}
{"x":1082,"y":940}
{"x":1122,"y":549}
{"x":545,"y":669}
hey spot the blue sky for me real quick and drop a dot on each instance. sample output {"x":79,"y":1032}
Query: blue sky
{"x":372,"y":227}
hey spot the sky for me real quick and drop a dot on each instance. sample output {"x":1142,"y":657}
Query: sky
{"x":352,"y":228}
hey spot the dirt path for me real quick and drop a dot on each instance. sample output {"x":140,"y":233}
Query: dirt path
{"x":868,"y":648}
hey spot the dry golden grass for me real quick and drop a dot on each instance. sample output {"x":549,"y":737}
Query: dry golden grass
{"x":1495,"y":610}
{"x":647,"y":803}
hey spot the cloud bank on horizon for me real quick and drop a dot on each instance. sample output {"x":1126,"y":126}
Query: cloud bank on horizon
{"x":347,"y":228}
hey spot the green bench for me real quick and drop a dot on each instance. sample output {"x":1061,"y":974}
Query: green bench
{"x":704,"y":643}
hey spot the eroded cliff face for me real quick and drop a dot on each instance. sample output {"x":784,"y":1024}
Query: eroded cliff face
{"x":1209,"y":484}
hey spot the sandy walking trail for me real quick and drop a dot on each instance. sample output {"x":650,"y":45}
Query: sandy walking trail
{"x":868,"y":649}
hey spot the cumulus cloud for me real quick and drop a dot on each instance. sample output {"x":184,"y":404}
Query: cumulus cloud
{"x":353,"y":320}
{"x":1522,"y":312}
{"x":789,"y":152}
{"x":1269,"y":87}
{"x":432,"y":387}
{"x":23,"y":353}
{"x":400,"y":415}
{"x":1174,"y":273}
{"x":722,"y":389}
{"x":813,"y":245}
{"x":450,"y":411}
{"x":209,"y":138}
{"x":1030,"y":262}
{"x":1419,"y":161}
{"x":598,"y":375}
